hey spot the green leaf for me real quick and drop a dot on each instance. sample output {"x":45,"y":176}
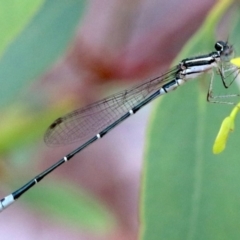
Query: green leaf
{"x":40,"y":43}
{"x":188,"y":192}
{"x":20,"y":125}
{"x":68,"y":205}
{"x":14,"y":15}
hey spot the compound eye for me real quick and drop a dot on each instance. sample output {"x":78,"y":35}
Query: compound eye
{"x":219,"y":45}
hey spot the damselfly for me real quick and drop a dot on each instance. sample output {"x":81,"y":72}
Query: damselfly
{"x":91,"y":123}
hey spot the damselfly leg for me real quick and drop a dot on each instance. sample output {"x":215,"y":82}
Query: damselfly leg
{"x":228,"y":75}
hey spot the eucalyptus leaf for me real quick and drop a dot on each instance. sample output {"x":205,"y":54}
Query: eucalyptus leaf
{"x":188,"y":192}
{"x":69,"y":205}
{"x":39,"y":44}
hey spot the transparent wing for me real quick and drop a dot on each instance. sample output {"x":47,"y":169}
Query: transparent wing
{"x":82,"y":124}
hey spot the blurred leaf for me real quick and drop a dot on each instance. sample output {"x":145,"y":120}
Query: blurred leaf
{"x":14,"y":15}
{"x":68,"y":205}
{"x":40,"y":43}
{"x":20,"y":126}
{"x":189,"y":193}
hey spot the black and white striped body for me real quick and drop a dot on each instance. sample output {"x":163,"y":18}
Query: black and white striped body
{"x":129,"y":102}
{"x":191,"y":68}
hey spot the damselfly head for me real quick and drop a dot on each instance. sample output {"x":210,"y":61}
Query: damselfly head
{"x":224,"y":50}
